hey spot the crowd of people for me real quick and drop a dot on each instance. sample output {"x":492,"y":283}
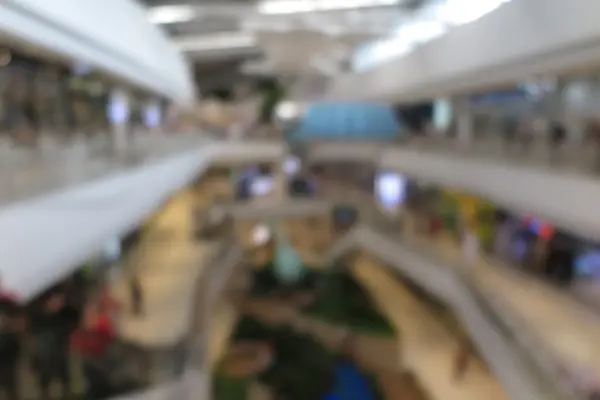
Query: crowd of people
{"x":74,"y":319}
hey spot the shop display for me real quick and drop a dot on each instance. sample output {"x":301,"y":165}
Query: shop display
{"x":587,"y":263}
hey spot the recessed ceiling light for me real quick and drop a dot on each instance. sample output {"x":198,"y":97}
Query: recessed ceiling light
{"x":172,"y":14}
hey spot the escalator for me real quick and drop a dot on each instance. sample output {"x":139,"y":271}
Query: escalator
{"x":504,"y":351}
{"x":518,"y":363}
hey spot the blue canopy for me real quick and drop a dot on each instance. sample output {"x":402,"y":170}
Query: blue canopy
{"x":346,"y":121}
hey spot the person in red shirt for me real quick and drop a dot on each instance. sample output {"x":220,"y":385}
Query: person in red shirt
{"x":93,"y":342}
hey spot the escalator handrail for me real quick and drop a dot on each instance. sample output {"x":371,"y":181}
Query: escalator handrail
{"x":547,"y":383}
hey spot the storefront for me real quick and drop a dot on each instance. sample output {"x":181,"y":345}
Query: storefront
{"x":537,"y":247}
{"x":457,"y":211}
{"x":46,"y":96}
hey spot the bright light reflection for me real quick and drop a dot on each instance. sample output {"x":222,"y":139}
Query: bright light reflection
{"x":287,"y":110}
{"x":261,"y":234}
{"x":279,"y":7}
{"x":430,"y":23}
{"x":171,"y":14}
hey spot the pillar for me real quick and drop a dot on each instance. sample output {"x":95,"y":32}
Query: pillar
{"x":463,"y":115}
{"x":280,"y":189}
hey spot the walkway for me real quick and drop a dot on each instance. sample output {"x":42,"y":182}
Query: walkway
{"x":566,"y":326}
{"x":428,"y":349}
{"x":168,"y":262}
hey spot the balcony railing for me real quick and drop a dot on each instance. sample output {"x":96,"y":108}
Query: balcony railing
{"x":30,"y":170}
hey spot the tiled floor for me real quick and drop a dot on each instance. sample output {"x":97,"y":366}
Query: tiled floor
{"x":428,"y":348}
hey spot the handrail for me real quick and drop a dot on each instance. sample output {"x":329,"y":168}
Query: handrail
{"x":474,"y":308}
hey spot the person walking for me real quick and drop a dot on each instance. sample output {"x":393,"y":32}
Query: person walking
{"x":462,"y":361}
{"x":136,"y":294}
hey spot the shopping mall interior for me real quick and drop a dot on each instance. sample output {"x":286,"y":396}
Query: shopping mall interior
{"x":198,"y":196}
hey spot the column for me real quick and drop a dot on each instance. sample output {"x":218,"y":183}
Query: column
{"x":556,"y":105}
{"x":463,"y":115}
{"x":280,"y":189}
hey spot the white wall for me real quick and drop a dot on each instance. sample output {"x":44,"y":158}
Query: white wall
{"x":521,"y":39}
{"x":114,"y":35}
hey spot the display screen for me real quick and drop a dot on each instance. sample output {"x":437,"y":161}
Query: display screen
{"x":390,"y":190}
{"x":588,"y":264}
{"x":152,"y":115}
{"x":261,"y":185}
{"x":118,"y":108}
{"x":291,"y":165}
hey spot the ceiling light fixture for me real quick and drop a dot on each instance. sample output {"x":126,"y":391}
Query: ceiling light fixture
{"x":279,"y":7}
{"x":172,"y":14}
{"x":222,"y":41}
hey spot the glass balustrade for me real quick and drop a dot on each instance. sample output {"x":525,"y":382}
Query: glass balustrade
{"x":52,"y":164}
{"x":535,"y":150}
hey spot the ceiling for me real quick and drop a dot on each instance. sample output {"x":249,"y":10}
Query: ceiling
{"x":237,"y":38}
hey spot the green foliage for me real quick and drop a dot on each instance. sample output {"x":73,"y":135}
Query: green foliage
{"x":229,"y":388}
{"x":302,"y":368}
{"x":345,"y":302}
{"x":265,"y":281}
{"x":273,"y":93}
